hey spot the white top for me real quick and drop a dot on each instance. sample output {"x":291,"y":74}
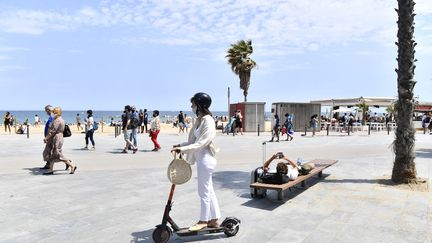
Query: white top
{"x":292,"y":172}
{"x":200,"y":140}
{"x":90,"y":122}
{"x":155,"y":124}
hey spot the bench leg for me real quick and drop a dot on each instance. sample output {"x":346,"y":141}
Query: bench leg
{"x":320,"y":174}
{"x":280,"y":195}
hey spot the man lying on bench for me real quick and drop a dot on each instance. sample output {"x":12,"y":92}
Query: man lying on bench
{"x":284,"y":171}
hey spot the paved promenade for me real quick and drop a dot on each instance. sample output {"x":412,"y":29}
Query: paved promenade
{"x":116,"y":197}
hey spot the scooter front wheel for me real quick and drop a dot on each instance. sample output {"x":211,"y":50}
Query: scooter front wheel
{"x":161,"y":234}
{"x":231,"y":227}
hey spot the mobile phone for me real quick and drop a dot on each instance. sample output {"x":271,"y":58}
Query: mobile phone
{"x":279,"y":155}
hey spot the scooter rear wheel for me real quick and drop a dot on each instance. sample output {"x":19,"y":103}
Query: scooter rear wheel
{"x":161,"y":234}
{"x":231,"y":227}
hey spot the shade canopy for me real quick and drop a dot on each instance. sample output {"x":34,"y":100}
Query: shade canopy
{"x":371,"y":101}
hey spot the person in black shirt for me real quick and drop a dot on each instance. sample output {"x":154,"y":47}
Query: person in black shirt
{"x":276,"y":128}
{"x":181,"y":122}
{"x":145,"y":119}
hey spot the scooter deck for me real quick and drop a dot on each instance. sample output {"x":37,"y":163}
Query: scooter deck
{"x":187,"y":232}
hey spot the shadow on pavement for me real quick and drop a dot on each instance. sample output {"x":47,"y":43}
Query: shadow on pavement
{"x":143,"y":236}
{"x":424,"y":153}
{"x":146,"y":236}
{"x":235,"y":180}
{"x":35,"y":170}
{"x":270,"y":202}
{"x":82,"y":149}
{"x":383,"y":181}
{"x":39,"y":171}
{"x":362,"y":181}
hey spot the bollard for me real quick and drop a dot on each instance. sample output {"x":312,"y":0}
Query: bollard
{"x":388,"y":129}
{"x":28,"y":131}
{"x":369,"y":128}
{"x":328,"y":128}
{"x":115,"y":130}
{"x":258,"y":129}
{"x":348,"y":129}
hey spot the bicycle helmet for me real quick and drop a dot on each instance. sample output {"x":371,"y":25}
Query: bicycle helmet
{"x":202,"y":100}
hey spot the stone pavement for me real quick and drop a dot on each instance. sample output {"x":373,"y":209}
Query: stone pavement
{"x":116,"y":197}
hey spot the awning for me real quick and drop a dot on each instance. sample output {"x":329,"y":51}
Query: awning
{"x":371,"y":101}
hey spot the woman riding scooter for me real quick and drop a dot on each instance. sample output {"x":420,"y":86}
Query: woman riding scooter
{"x":200,"y":148}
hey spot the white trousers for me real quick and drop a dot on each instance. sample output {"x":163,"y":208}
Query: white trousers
{"x":209,"y":204}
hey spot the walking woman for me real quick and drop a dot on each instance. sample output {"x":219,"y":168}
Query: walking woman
{"x":200,"y":148}
{"x":154,"y":130}
{"x":7,"y":121}
{"x":90,"y":129}
{"x":54,"y":143}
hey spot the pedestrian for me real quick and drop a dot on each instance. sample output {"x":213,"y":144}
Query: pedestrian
{"x":314,"y":123}
{"x":36,"y":120}
{"x":276,"y":128}
{"x":126,"y":129}
{"x":351,"y":121}
{"x":7,"y":121}
{"x":239,"y":122}
{"x":90,"y":129}
{"x":200,"y":148}
{"x":134,"y":125}
{"x":49,"y":111}
{"x":289,"y":127}
{"x":155,"y":129}
{"x":181,"y":122}
{"x":78,"y":122}
{"x":141,"y":121}
{"x":145,"y":120}
{"x":186,"y":122}
{"x":54,"y":143}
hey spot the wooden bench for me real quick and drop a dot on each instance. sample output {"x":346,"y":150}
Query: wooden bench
{"x":320,"y":165}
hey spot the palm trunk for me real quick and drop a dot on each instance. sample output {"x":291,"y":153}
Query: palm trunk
{"x":244,"y":76}
{"x":404,"y":166}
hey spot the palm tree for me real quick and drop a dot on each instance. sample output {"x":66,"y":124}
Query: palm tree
{"x":365,"y":108}
{"x":404,"y":170}
{"x":241,"y":63}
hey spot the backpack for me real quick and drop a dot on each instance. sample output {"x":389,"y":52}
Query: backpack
{"x":306,"y":168}
{"x":95,"y":126}
{"x":67,"y":132}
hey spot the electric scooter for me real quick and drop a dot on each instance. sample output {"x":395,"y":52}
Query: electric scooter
{"x":230,"y":226}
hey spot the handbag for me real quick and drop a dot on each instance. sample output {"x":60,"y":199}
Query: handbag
{"x":179,"y":171}
{"x":67,"y":132}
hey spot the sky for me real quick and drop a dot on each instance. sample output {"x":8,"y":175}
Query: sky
{"x":156,"y":54}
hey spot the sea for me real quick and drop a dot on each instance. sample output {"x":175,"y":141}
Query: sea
{"x":105,"y":116}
